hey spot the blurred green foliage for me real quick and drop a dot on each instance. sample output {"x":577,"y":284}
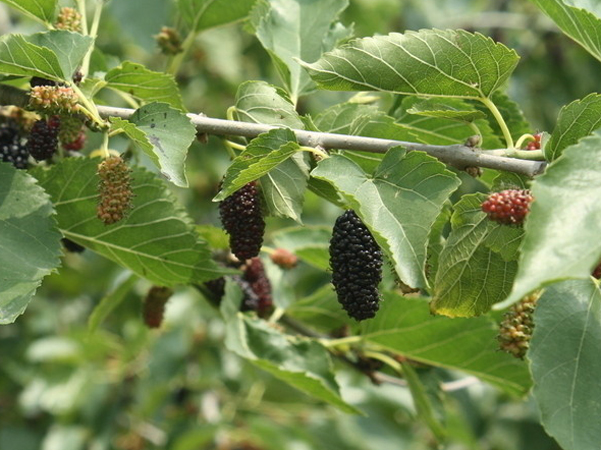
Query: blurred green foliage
{"x":126,"y":387}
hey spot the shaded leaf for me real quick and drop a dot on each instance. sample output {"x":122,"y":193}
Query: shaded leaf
{"x":109,"y":302}
{"x":565,"y":364}
{"x":310,"y":243}
{"x":442,"y":130}
{"x":157,"y":241}
{"x":301,"y":362}
{"x":444,"y":63}
{"x":263,"y":154}
{"x":471,"y":277}
{"x":511,"y":113}
{"x":290,"y":29}
{"x":562,"y":229}
{"x":436,"y":108}
{"x":144,"y":84}
{"x":283,"y":187}
{"x":320,"y":309}
{"x":399,"y":203}
{"x":30,"y":244}
{"x":575,"y":121}
{"x":405,"y":326}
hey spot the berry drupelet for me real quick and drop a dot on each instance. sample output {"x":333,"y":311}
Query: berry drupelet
{"x":356,"y":262}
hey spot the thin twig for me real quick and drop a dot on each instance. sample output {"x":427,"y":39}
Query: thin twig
{"x":458,"y":155}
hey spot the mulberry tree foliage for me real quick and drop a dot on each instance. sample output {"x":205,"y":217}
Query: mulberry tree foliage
{"x":403,"y":224}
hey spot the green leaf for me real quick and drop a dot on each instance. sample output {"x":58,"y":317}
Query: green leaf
{"x":574,"y":20}
{"x":263,"y":154}
{"x":405,"y":326}
{"x":562,"y":229}
{"x":164,"y":134}
{"x":435,"y":108}
{"x":575,"y":121}
{"x":157,"y":241}
{"x":54,"y":55}
{"x":442,"y":130}
{"x":260,"y":102}
{"x":471,"y":277}
{"x":399,"y":203}
{"x":203,"y":14}
{"x":29,"y":240}
{"x":144,"y":84}
{"x":109,"y":302}
{"x":423,"y":401}
{"x":283,"y":187}
{"x":320,"y":309}
{"x":565,"y":364}
{"x":36,"y":9}
{"x":310,"y":243}
{"x":301,"y":362}
{"x":445,"y":63}
{"x":511,"y":113}
{"x":296,"y":29}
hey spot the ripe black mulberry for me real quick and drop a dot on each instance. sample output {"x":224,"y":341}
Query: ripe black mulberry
{"x":43,"y":139}
{"x":356,"y":263}
{"x":12,"y":150}
{"x":242,"y":219}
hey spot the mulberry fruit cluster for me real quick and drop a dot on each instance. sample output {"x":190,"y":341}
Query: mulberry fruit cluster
{"x":12,"y":150}
{"x":255,"y":276}
{"x":52,"y":99}
{"x":43,"y":138}
{"x":153,"y":308}
{"x":508,"y":207}
{"x":255,"y":286}
{"x":115,"y":190}
{"x":242,"y":219}
{"x":535,"y":143}
{"x":356,"y":263}
{"x":169,"y":41}
{"x":516,"y":328}
{"x":68,"y":19}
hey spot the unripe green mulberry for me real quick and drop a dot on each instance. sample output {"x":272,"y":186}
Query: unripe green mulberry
{"x":516,"y":328}
{"x":115,"y":190}
{"x":242,"y":219}
{"x":68,"y":19}
{"x":356,"y":262}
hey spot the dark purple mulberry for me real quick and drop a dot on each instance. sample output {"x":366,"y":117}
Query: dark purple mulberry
{"x":43,"y":139}
{"x":11,"y":149}
{"x":242,"y":219}
{"x":255,"y":275}
{"x":154,"y":306}
{"x":356,"y":262}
